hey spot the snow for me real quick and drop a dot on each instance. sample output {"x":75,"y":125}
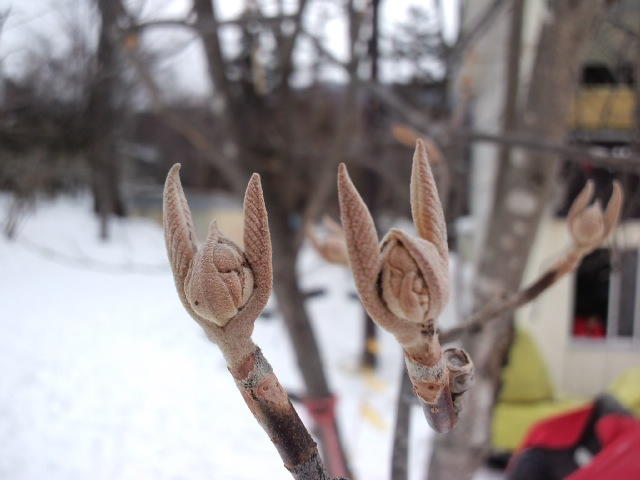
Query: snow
{"x":104,"y":375}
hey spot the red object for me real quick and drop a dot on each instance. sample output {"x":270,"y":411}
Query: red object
{"x":559,"y":432}
{"x":323,"y":413}
{"x":620,"y":455}
{"x":619,"y":435}
{"x":590,"y":327}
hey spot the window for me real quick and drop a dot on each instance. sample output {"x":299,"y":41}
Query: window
{"x":607,"y":297}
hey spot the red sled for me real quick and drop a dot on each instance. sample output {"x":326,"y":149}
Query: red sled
{"x":598,"y":442}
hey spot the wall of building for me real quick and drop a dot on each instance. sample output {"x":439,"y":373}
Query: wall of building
{"x":577,"y":367}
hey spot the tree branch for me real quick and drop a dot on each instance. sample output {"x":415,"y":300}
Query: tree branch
{"x":481,"y":24}
{"x":289,"y":43}
{"x":202,"y":143}
{"x":204,"y":26}
{"x":226,"y":305}
{"x":572,"y":153}
{"x":337,"y":150}
{"x":589,"y":228}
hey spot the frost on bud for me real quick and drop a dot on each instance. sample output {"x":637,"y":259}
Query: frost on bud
{"x":220,"y":281}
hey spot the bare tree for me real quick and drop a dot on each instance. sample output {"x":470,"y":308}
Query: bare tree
{"x":528,"y":176}
{"x":259,"y":130}
{"x":65,"y":110}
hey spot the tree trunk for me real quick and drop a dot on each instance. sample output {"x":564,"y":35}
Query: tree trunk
{"x":400,"y":451}
{"x":101,"y":120}
{"x":247,"y":145}
{"x":520,"y":199}
{"x":318,"y":398}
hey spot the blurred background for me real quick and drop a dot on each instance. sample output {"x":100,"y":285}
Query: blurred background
{"x":519,"y":103}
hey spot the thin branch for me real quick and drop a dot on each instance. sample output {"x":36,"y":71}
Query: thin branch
{"x":289,"y":43}
{"x":400,"y":450}
{"x":493,"y":312}
{"x":481,"y":24}
{"x":578,"y":153}
{"x":572,"y":153}
{"x":202,"y":143}
{"x":589,"y":227}
{"x":338,"y":149}
{"x":204,"y":26}
{"x":434,"y":129}
{"x":225,"y":289}
{"x":213,"y":50}
{"x":88,"y":263}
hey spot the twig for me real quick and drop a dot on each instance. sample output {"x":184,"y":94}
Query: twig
{"x":403,"y":284}
{"x":224,"y":289}
{"x":589,"y":228}
{"x":480,"y":25}
{"x":201,"y":142}
{"x":572,"y":153}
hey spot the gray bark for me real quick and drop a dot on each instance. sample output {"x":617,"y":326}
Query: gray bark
{"x":520,"y":198}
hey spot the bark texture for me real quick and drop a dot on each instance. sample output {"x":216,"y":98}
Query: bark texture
{"x":521,"y":193}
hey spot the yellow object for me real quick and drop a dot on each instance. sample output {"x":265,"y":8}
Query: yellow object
{"x":372,"y":380}
{"x":512,"y":421}
{"x":373,"y":346}
{"x":373,"y":416}
{"x":603,"y":108}
{"x":527,"y":395}
{"x":626,"y":388}
{"x":526,"y":377}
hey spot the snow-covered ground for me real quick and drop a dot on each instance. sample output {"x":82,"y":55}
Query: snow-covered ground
{"x":104,"y":376}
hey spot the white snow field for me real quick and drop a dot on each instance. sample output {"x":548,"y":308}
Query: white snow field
{"x":103,"y":376}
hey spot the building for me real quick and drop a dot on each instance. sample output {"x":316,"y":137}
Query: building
{"x":588,"y":325}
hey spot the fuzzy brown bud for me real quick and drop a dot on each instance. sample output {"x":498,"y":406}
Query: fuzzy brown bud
{"x":220,"y":281}
{"x":589,"y":224}
{"x":404,"y":288}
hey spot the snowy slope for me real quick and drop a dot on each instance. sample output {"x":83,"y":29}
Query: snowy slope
{"x":104,"y":376}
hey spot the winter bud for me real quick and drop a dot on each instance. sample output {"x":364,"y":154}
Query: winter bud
{"x":404,"y":288}
{"x":220,"y":280}
{"x":588,"y":226}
